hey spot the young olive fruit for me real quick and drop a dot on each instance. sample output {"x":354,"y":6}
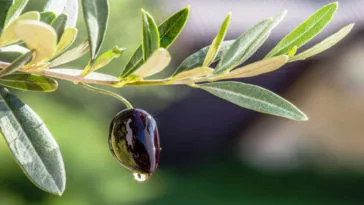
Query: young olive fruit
{"x":134,"y":142}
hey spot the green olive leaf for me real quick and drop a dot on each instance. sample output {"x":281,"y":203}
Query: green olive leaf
{"x":96,"y":14}
{"x":5,"y":6}
{"x":216,"y":43}
{"x":65,"y":73}
{"x":196,"y":59}
{"x":254,"y":98}
{"x":31,"y":144}
{"x":9,"y":36}
{"x":169,"y":30}
{"x":194,"y":73}
{"x":306,"y":31}
{"x":68,"y":7}
{"x":106,"y":58}
{"x":68,"y":37}
{"x":150,"y":35}
{"x":323,"y":45}
{"x":239,"y":50}
{"x":15,"y":10}
{"x":10,"y":53}
{"x":155,"y":64}
{"x":29,"y":82}
{"x":47,"y":17}
{"x":55,"y":6}
{"x":258,"y":68}
{"x":37,"y":36}
{"x":70,"y":55}
{"x":59,"y":24}
{"x":17,"y":64}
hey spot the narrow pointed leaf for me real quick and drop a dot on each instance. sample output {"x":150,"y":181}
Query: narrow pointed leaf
{"x":38,"y":36}
{"x":70,"y":55}
{"x":47,"y":17}
{"x":9,"y":36}
{"x":196,"y":59}
{"x":254,"y":98}
{"x":257,"y":68}
{"x":169,"y":30}
{"x":65,"y":73}
{"x":239,"y":50}
{"x":196,"y":72}
{"x":68,"y":37}
{"x":31,"y":143}
{"x":59,"y":24}
{"x":324,"y":45}
{"x":68,"y":7}
{"x":15,"y":10}
{"x":216,"y":43}
{"x":155,"y":64}
{"x":306,"y":31}
{"x":17,"y":64}
{"x":29,"y":82}
{"x":71,"y":9}
{"x":10,"y":53}
{"x":4,"y":8}
{"x":106,"y":58}
{"x":96,"y":14}
{"x":55,"y":6}
{"x":150,"y":35}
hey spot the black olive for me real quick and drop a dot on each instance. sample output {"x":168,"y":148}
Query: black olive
{"x":134,"y":141}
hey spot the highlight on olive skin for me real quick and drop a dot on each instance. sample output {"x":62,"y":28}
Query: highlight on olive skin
{"x":134,"y":142}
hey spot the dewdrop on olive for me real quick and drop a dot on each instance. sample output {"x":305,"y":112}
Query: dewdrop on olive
{"x":134,"y":142}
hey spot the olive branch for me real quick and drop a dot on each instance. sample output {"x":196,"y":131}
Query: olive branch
{"x":37,"y":45}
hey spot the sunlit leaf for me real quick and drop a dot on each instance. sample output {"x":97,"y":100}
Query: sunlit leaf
{"x":55,"y":6}
{"x":150,"y":35}
{"x":68,"y":37}
{"x":38,"y":36}
{"x":17,"y":64}
{"x":155,"y":64}
{"x":106,"y":58}
{"x":9,"y":36}
{"x":196,"y":72}
{"x":216,"y":43}
{"x":169,"y":30}
{"x":257,"y":68}
{"x":31,"y":144}
{"x":239,"y":50}
{"x":324,"y":45}
{"x":29,"y":82}
{"x":70,"y":55}
{"x":71,"y":9}
{"x":65,"y":73}
{"x":196,"y":59}
{"x":306,"y":31}
{"x":47,"y":17}
{"x":96,"y":14}
{"x":59,"y":24}
{"x":254,"y":98}
{"x":15,"y":10}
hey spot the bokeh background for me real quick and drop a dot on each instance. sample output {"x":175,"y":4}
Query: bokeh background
{"x":213,"y":152}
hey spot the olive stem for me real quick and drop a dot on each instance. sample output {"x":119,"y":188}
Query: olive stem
{"x":106,"y":92}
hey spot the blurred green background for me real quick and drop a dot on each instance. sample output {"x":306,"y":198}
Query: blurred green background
{"x":80,"y":126}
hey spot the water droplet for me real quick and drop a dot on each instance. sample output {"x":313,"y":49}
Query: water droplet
{"x":141,"y":177}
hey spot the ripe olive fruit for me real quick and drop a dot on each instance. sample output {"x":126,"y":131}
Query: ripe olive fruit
{"x":134,"y":142}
